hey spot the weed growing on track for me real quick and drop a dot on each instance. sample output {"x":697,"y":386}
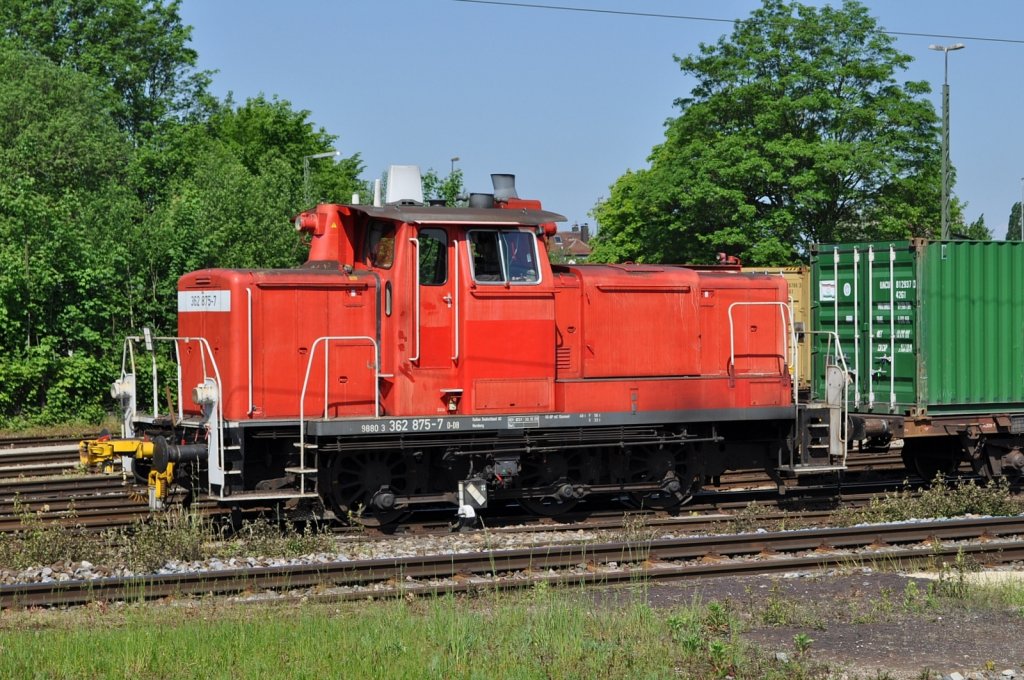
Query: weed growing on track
{"x":148,"y":544}
{"x":755,"y":516}
{"x":964,"y":497}
{"x":40,"y":543}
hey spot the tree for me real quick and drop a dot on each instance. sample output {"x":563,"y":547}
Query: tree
{"x":226,"y":193}
{"x":118,"y":174}
{"x":977,"y":231}
{"x":138,"y":48}
{"x":1013,"y":223}
{"x":448,"y":188}
{"x":65,"y":212}
{"x":796,"y":132}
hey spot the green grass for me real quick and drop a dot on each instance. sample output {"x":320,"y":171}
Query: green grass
{"x":545,"y":633}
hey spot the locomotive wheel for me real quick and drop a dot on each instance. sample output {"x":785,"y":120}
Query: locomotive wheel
{"x":357,"y":486}
{"x":651,"y":463}
{"x":546,"y":470}
{"x":926,"y":458}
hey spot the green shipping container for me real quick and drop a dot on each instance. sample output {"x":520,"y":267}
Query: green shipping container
{"x":927,"y":328}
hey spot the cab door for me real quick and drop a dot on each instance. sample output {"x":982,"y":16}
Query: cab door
{"x":436,"y":299}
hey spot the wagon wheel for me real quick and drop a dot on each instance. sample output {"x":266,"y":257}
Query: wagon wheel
{"x":553,"y":469}
{"x":927,"y":458}
{"x":663,"y":463}
{"x":359,"y":486}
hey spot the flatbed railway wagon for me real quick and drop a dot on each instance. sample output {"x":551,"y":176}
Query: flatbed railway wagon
{"x":934,"y":335}
{"x":430,"y":355}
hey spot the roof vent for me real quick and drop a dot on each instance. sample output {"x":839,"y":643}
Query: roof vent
{"x":404,"y":185}
{"x":504,"y":186}
{"x":481,"y":200}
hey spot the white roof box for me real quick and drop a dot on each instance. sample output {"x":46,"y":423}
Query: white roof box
{"x":405,"y":186}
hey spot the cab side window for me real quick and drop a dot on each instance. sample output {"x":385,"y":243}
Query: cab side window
{"x":506,"y":255}
{"x":520,"y":250}
{"x":380,"y":245}
{"x":486,"y":256}
{"x":433,"y":257}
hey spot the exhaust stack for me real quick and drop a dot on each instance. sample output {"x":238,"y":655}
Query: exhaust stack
{"x":504,"y":186}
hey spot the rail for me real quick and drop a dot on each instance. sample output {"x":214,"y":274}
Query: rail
{"x":673,"y":558}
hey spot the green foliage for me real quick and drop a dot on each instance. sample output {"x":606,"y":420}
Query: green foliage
{"x":802,"y":643}
{"x":796,"y":132}
{"x":977,"y":231}
{"x":939,"y":500}
{"x":62,"y":197}
{"x":148,"y":544}
{"x":448,"y":188}
{"x":1013,"y":223}
{"x":118,"y":174}
{"x":138,"y":49}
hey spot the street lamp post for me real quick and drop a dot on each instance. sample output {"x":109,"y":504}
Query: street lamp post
{"x":305,"y":169}
{"x":454,"y":158}
{"x":945,"y":49}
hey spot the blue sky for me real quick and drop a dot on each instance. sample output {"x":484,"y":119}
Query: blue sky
{"x":569,"y":101}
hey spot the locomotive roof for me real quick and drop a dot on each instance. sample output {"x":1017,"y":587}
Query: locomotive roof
{"x":420,"y":214}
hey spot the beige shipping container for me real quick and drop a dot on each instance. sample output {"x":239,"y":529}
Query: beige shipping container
{"x":799,"y":281}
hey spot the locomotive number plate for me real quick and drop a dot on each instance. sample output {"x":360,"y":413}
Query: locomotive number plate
{"x":204,"y":300}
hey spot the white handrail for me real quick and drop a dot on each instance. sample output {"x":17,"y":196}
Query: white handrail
{"x":248,"y":308}
{"x":455,"y":313}
{"x":856,"y":326}
{"x":870,"y":363}
{"x":416,"y":286}
{"x":841,"y":358}
{"x":892,"y":329}
{"x":784,"y":312}
{"x":305,"y":384}
{"x":204,"y":350}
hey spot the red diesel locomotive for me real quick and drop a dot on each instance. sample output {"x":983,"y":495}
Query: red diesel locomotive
{"x":426,"y":355}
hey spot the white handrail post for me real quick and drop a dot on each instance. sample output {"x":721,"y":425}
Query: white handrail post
{"x":416,"y":287}
{"x":455,"y":315}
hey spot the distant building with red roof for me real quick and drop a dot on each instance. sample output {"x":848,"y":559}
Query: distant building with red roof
{"x":571,"y":247}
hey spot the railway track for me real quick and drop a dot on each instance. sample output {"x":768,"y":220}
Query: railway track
{"x":34,"y":482}
{"x":988,"y":539}
{"x":32,"y":442}
{"x":44,"y":458}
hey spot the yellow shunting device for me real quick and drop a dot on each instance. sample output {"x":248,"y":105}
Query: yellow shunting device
{"x":106,"y":453}
{"x":159,"y":483}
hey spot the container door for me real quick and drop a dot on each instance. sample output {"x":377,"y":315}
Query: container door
{"x":867,"y":297}
{"x":837,"y":316}
{"x":890,"y":359}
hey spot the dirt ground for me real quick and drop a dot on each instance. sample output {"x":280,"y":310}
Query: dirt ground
{"x":869,"y":623}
